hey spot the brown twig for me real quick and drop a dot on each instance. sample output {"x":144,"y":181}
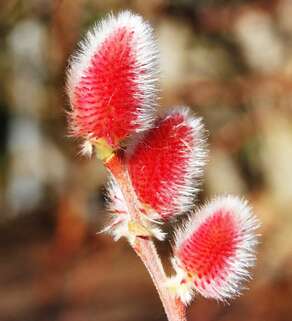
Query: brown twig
{"x":144,"y":247}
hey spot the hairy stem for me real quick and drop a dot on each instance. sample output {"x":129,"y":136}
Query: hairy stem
{"x":144,"y":247}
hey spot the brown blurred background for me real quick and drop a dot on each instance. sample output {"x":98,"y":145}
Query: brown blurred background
{"x":231,"y":61}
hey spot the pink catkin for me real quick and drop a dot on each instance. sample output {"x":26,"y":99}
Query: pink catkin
{"x":166,"y":163}
{"x":215,"y":248}
{"x":111,"y":80}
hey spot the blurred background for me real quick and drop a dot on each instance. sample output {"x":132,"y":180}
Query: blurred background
{"x":231,"y":61}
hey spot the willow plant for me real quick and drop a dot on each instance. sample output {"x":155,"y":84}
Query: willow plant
{"x":155,"y":166}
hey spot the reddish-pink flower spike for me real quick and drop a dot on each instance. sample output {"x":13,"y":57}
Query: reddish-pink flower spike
{"x":214,"y":250}
{"x":166,"y":163}
{"x":112,"y":80}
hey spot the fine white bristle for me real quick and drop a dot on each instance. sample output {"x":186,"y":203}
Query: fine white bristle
{"x":186,"y":192}
{"x":87,"y":148}
{"x":122,"y":223}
